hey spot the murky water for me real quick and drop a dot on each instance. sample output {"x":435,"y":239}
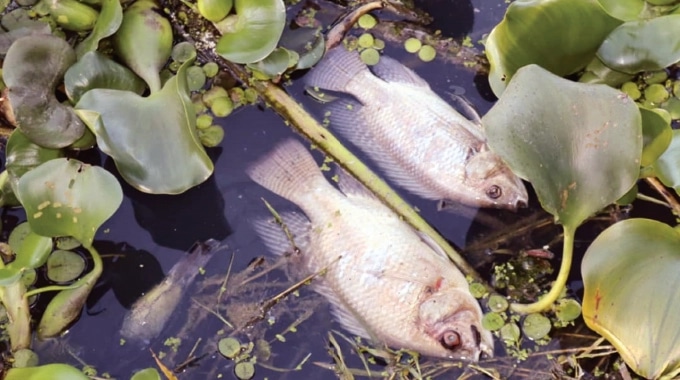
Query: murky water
{"x":149,"y":234}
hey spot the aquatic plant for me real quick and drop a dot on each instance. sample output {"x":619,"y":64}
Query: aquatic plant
{"x":580,"y":157}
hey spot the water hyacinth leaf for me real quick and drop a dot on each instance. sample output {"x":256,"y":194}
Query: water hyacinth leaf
{"x":67,"y":305}
{"x":630,"y":275}
{"x":95,"y":70}
{"x":144,"y":41}
{"x":598,"y":72}
{"x":578,"y":144}
{"x":163,"y":157}
{"x":64,"y":266}
{"x":22,"y":155}
{"x":253,"y":32}
{"x":10,"y":275}
{"x":35,"y":28}
{"x":32,"y":69}
{"x":642,"y":45}
{"x":7,"y":197}
{"x":667,"y":166}
{"x":146,"y":374}
{"x":532,"y":29}
{"x":275,"y":63}
{"x":110,"y":18}
{"x":624,"y":10}
{"x":65,"y":197}
{"x":31,"y":249}
{"x":56,"y":371}
{"x":656,"y":135}
{"x":308,"y":43}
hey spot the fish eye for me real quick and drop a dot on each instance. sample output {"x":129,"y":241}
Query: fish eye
{"x":494,"y":192}
{"x":450,"y":339}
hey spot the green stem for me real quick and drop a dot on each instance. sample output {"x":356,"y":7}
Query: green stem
{"x":19,"y":327}
{"x":558,"y":286}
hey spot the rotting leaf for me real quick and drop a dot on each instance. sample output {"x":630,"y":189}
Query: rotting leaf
{"x":32,"y":69}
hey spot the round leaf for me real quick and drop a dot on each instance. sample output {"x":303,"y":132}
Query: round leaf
{"x":30,"y":248}
{"x":253,"y":32}
{"x":578,"y":144}
{"x":146,"y":374}
{"x":64,"y":266}
{"x":532,"y":31}
{"x":154,"y":142}
{"x":643,"y":45}
{"x":55,"y":371}
{"x":630,"y":275}
{"x":32,"y":69}
{"x":65,"y":197}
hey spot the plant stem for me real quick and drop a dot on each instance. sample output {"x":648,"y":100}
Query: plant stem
{"x":545,"y":302}
{"x":663,"y":191}
{"x":19,"y":327}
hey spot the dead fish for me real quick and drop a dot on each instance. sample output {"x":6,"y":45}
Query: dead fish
{"x":148,"y":315}
{"x":385,"y":281}
{"x":420,"y":142}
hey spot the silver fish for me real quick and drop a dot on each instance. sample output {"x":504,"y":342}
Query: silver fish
{"x":385,"y":281}
{"x":147,"y":317}
{"x":419,"y":141}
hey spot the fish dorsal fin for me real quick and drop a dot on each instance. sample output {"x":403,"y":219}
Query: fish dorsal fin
{"x":350,"y":186}
{"x":433,"y":244}
{"x":336,"y":70}
{"x":276,"y":239}
{"x":391,"y":70}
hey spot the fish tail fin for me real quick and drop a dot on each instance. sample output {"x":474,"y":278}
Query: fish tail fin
{"x":336,"y":70}
{"x":184,"y":271}
{"x":285,"y":236}
{"x":289,"y":171}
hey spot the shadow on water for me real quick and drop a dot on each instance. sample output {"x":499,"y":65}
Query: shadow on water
{"x":150,"y":233}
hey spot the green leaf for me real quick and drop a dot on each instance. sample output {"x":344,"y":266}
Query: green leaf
{"x":630,"y":275}
{"x":34,"y":66}
{"x":22,"y":155}
{"x":31,"y":249}
{"x":307,"y":42}
{"x":667,"y":166}
{"x":578,"y":144}
{"x":643,"y":45}
{"x":55,"y":371}
{"x":154,"y":142}
{"x":65,"y":197}
{"x":561,"y":36}
{"x":624,"y":10}
{"x":275,"y":63}
{"x":253,"y":32}
{"x":656,"y":134}
{"x":146,"y":374}
{"x":108,"y":22}
{"x":95,"y":70}
{"x":144,"y":41}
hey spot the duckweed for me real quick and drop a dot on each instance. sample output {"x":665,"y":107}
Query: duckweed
{"x":367,"y":21}
{"x":370,"y":56}
{"x":536,"y":326}
{"x":182,"y":52}
{"x":477,"y":290}
{"x":195,"y":78}
{"x":366,"y":40}
{"x":655,"y":77}
{"x":244,"y":370}
{"x":427,"y":53}
{"x":567,"y":310}
{"x":498,"y":303}
{"x":213,"y":93}
{"x":229,"y":347}
{"x":412,"y":45}
{"x":204,"y":121}
{"x":212,"y":136}
{"x":510,"y":332}
{"x":631,"y":89}
{"x":211,"y":69}
{"x":492,"y":321}
{"x":222,"y":106}
{"x":656,"y":93}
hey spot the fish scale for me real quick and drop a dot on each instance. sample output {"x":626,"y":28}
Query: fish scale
{"x":384,"y":281}
{"x":419,"y":141}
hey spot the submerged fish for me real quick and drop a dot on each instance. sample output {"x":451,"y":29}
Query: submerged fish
{"x":385,"y":281}
{"x":149,"y":314}
{"x":413,"y":135}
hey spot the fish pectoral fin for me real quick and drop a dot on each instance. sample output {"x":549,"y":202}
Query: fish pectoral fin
{"x":467,"y":109}
{"x":351,"y":186}
{"x":432,"y":244}
{"x":391,"y":70}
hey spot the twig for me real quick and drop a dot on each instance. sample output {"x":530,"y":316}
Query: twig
{"x":667,"y":195}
